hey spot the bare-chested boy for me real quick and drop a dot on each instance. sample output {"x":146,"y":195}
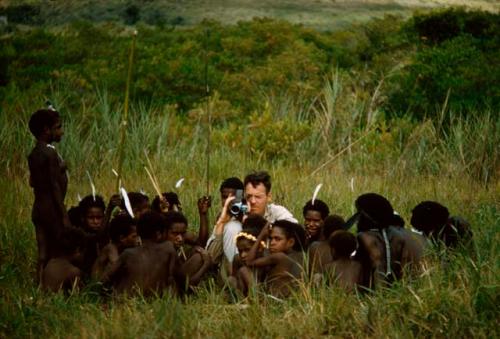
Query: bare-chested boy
{"x":123,"y":234}
{"x":344,"y":270}
{"x":149,"y":268}
{"x":243,"y":277}
{"x":284,"y":264}
{"x":170,"y":203}
{"x":63,"y":272}
{"x":190,"y":265}
{"x":320,"y":252}
{"x":49,"y":181}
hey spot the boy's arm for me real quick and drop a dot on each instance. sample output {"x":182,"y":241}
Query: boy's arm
{"x":55,"y":187}
{"x":270,"y":260}
{"x":204,"y":204}
{"x":105,"y":263}
{"x":264,"y":233}
{"x":195,"y":278}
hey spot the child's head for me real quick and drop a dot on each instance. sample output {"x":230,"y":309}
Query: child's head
{"x":375,"y":211}
{"x":139,"y":203}
{"x":229,"y":187}
{"x":332,"y":223}
{"x":71,"y":244}
{"x":429,"y":216}
{"x":176,"y":228}
{"x":314,"y":216}
{"x":152,"y":226}
{"x":75,"y":217}
{"x":254,"y":221}
{"x":244,"y":242}
{"x":123,"y":231}
{"x":286,"y":236}
{"x":173,"y":202}
{"x":46,"y":124}
{"x":342,"y":243}
{"x":92,"y":213}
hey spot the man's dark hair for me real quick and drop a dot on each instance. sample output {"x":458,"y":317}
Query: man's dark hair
{"x":173,"y":217}
{"x":343,"y":243}
{"x":88,"y":202}
{"x":332,"y":223}
{"x":429,"y":216}
{"x":41,"y":119}
{"x":233,"y":183}
{"x":136,"y":199}
{"x":171,"y":197}
{"x":254,"y":221}
{"x":319,"y":206}
{"x":257,"y":178}
{"x":121,"y":226}
{"x":293,"y":230}
{"x":151,"y":223}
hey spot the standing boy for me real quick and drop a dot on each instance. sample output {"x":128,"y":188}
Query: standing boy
{"x":49,"y":181}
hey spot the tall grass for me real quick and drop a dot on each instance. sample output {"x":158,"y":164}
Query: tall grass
{"x":407,"y":161}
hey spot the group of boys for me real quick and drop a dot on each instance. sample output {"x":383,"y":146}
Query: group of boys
{"x":254,"y":242}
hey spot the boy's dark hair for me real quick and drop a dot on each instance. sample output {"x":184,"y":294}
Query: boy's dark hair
{"x":233,"y":183}
{"x":343,"y":243}
{"x":332,"y":223}
{"x":173,"y":217}
{"x":71,"y":240}
{"x":257,"y":178}
{"x":254,"y":221}
{"x":41,"y":119}
{"x":171,"y":197}
{"x":88,"y":202}
{"x":151,"y":223}
{"x":121,"y":226}
{"x":398,"y":221}
{"x":429,"y":216}
{"x":293,"y":230}
{"x":75,"y":216}
{"x":136,"y":199}
{"x":319,"y":206}
{"x":375,"y":209}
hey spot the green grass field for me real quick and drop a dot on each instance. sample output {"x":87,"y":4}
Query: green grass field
{"x":340,"y":135}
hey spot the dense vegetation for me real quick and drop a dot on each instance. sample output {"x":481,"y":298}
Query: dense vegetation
{"x":393,"y":106}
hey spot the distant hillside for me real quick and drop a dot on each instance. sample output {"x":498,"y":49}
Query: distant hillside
{"x":320,"y":14}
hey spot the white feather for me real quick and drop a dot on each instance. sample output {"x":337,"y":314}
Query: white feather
{"x":126,"y":200}
{"x":179,"y":183}
{"x":79,"y":197}
{"x":316,"y":191}
{"x":92,"y":186}
{"x":352,"y":184}
{"x":114,"y":172}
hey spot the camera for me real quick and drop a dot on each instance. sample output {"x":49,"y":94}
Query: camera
{"x":239,"y":205}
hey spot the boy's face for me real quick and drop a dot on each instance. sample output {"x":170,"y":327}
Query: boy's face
{"x":225,"y":193}
{"x":131,"y":239}
{"x":56,"y":131}
{"x":94,"y":219}
{"x":176,"y":234}
{"x":279,"y":242}
{"x":244,"y":245}
{"x":257,"y":197}
{"x":313,"y":223}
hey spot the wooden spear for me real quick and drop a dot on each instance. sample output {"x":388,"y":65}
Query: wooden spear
{"x":123,"y":126}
